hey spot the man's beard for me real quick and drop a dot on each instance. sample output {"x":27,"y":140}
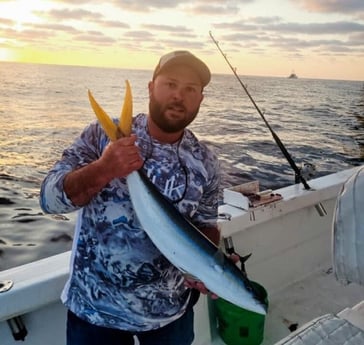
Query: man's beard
{"x":157,"y":113}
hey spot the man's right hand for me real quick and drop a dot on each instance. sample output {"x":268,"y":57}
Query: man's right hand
{"x":119,"y":159}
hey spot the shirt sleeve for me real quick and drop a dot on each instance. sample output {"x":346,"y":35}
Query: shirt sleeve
{"x":85,"y":149}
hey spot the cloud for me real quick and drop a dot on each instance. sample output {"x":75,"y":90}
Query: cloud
{"x":113,"y":24}
{"x":202,"y":7}
{"x":147,"y":6}
{"x":273,"y":25}
{"x":139,"y":34}
{"x":6,"y":22}
{"x":205,"y":7}
{"x":334,"y":28}
{"x":74,"y":23}
{"x":79,"y":15}
{"x":29,"y":36}
{"x":40,"y":34}
{"x":167,"y":28}
{"x":209,"y":9}
{"x":265,"y":20}
{"x":332,"y":6}
{"x":72,"y":2}
{"x":68,"y":14}
{"x":260,"y":37}
{"x":94,"y":37}
{"x":56,"y":28}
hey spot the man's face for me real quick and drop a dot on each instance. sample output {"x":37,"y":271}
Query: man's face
{"x":174,"y":98}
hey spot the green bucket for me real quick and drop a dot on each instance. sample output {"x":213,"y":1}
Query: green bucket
{"x":238,"y":326}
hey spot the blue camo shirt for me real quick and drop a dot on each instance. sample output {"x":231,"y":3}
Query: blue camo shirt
{"x":118,"y":278}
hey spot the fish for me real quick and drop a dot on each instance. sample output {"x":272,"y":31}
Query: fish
{"x":177,"y":238}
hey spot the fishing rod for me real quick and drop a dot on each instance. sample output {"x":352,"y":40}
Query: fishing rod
{"x":319,"y":207}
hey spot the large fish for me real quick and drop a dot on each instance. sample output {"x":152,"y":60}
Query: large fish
{"x":176,"y":237}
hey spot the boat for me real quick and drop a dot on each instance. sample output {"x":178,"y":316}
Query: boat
{"x":293,"y":76}
{"x":290,"y":237}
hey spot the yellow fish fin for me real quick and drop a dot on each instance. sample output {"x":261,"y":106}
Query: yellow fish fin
{"x":126,"y":116}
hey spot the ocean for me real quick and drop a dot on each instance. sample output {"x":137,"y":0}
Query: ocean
{"x":44,"y":107}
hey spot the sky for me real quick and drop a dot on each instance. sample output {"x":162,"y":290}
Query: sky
{"x":313,"y":38}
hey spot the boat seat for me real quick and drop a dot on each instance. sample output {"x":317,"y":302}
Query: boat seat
{"x":328,"y":329}
{"x":348,"y":231}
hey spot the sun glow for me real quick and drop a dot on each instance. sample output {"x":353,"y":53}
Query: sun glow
{"x":18,"y":15}
{"x":6,"y":54}
{"x":21,"y":11}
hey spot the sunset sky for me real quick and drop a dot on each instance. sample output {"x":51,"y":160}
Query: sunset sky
{"x":313,"y":38}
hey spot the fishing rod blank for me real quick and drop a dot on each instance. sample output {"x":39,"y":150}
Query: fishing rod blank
{"x":319,"y":207}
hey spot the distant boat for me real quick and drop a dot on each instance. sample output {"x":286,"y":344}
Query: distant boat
{"x":293,"y":76}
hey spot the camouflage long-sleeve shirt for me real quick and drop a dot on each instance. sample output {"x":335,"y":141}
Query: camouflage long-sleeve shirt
{"x":118,"y":278}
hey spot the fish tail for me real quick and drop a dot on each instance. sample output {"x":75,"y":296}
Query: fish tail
{"x":106,"y":122}
{"x":126,"y":115}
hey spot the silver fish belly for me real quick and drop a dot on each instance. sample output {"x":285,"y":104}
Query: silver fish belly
{"x":187,"y":248}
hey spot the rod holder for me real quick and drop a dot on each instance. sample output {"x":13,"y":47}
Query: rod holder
{"x":229,"y":246}
{"x":17,"y":328}
{"x":320,"y":209}
{"x":6,"y":285}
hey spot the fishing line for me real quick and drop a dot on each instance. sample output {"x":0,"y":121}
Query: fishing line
{"x":299,"y":177}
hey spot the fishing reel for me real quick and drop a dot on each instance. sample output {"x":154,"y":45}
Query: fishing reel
{"x":307,"y":171}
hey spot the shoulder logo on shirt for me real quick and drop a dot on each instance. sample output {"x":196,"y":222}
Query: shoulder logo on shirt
{"x":173,"y":187}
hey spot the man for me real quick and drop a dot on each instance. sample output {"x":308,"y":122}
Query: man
{"x":120,"y":285}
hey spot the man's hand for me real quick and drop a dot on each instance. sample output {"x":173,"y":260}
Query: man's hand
{"x":119,"y":159}
{"x":200,"y":286}
{"x":193,"y":283}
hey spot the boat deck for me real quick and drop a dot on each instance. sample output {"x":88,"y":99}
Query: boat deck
{"x":316,"y":295}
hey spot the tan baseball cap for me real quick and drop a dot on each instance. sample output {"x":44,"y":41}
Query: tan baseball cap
{"x":184,"y":57}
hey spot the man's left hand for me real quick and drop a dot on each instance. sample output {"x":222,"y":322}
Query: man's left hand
{"x":200,"y":286}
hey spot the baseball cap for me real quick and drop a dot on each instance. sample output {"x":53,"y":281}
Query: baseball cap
{"x":184,"y":57}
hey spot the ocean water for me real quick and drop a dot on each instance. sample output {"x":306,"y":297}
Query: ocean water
{"x":44,"y":107}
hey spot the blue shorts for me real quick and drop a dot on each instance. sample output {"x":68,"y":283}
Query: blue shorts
{"x":178,"y":332}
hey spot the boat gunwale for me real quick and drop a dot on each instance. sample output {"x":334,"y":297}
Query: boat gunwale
{"x":294,"y":197}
